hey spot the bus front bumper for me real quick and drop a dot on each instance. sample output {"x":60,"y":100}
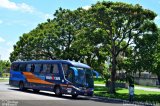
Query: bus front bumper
{"x":77,"y":91}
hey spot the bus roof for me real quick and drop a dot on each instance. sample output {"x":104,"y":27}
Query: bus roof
{"x":72,"y":63}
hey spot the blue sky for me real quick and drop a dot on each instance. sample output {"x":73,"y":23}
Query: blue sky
{"x":21,"y":16}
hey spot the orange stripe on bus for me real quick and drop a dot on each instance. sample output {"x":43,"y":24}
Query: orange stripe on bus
{"x":64,"y":85}
{"x":32,"y":78}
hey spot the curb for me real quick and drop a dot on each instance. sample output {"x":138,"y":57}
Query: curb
{"x":124,"y":102}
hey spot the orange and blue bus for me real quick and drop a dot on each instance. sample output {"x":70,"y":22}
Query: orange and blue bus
{"x":59,"y":76}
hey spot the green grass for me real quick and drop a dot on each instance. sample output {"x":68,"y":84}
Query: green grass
{"x":99,"y":81}
{"x":122,"y":93}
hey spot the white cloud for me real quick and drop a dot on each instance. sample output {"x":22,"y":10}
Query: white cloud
{"x":1,"y":21}
{"x":86,"y":7}
{"x":2,"y":40}
{"x":157,"y":18}
{"x":16,"y":6}
{"x":5,"y":53}
{"x":26,"y":8}
{"x":6,"y":50}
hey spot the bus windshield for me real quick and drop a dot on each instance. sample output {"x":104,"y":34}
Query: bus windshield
{"x":80,"y":76}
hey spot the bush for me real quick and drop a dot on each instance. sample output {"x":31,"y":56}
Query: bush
{"x":5,"y":74}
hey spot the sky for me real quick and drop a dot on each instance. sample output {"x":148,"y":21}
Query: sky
{"x":21,"y":16}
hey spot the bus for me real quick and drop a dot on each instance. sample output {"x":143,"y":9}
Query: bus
{"x":58,"y":76}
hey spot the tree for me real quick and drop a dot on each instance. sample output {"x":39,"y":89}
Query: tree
{"x":68,"y":24}
{"x":50,"y":40}
{"x":4,"y":66}
{"x":155,"y":57}
{"x":40,"y":43}
{"x":121,"y":23}
{"x":140,"y":57}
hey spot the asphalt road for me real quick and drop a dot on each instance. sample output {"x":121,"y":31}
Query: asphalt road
{"x":13,"y":96}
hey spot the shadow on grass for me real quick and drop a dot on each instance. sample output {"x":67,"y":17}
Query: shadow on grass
{"x":155,"y":98}
{"x":100,"y":88}
{"x":99,"y":81}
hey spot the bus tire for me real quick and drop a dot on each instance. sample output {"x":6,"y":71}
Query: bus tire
{"x":58,"y":91}
{"x":36,"y":90}
{"x":21,"y":86}
{"x":74,"y":96}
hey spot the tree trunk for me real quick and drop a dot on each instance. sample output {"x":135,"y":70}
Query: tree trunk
{"x":113,"y":74}
{"x":158,"y":75}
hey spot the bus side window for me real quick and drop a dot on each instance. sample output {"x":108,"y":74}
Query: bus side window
{"x":32,"y":68}
{"x":37,"y":68}
{"x":54,"y":69}
{"x":65,"y":68}
{"x":22,"y":67}
{"x":46,"y":68}
{"x":15,"y":67}
{"x":41,"y":68}
{"x":28,"y":67}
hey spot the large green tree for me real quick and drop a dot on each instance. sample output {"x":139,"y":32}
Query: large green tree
{"x":120,"y":23}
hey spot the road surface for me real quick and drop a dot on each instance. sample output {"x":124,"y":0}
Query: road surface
{"x":11,"y":96}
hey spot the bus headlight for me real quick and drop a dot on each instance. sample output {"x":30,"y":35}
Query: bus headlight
{"x":75,"y":92}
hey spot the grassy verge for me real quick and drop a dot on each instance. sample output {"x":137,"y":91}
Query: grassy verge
{"x":121,"y":93}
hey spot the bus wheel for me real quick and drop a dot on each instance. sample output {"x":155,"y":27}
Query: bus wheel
{"x":21,"y":86}
{"x":36,"y":90}
{"x":58,"y":91}
{"x":74,"y":96}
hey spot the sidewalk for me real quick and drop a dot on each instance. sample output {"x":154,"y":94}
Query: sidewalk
{"x":148,"y":89}
{"x":139,"y":88}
